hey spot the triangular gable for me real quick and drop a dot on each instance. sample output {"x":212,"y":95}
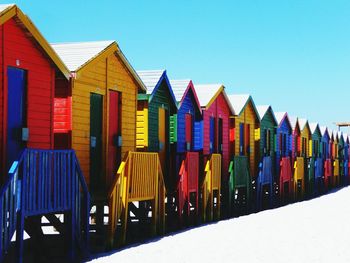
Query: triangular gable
{"x":153,"y":80}
{"x":181,"y":88}
{"x":78,"y":55}
{"x":325,"y":132}
{"x":9,"y":11}
{"x":281,"y":118}
{"x":315,"y":129}
{"x":263,"y":110}
{"x":340,"y":137}
{"x":295,"y":124}
{"x":240,"y":101}
{"x":304,"y":123}
{"x":207,"y":94}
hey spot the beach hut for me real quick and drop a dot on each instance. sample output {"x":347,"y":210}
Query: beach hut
{"x":157,"y":130}
{"x":315,"y":165}
{"x":341,"y":147}
{"x":300,"y":165}
{"x":335,"y":158}
{"x":296,"y":152}
{"x":346,"y":159}
{"x":96,"y":114}
{"x":188,"y":146}
{"x":30,"y":71}
{"x":325,"y":152}
{"x":284,"y":178}
{"x":268,"y":124}
{"x":216,"y":112}
{"x":246,"y":133}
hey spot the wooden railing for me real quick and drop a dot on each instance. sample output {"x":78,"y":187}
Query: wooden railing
{"x":139,"y":178}
{"x":188,"y":183}
{"x":212,"y":182}
{"x":9,"y":205}
{"x":42,"y":182}
{"x":299,"y":178}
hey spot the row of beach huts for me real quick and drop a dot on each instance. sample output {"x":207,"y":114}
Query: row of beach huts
{"x":125,"y":154}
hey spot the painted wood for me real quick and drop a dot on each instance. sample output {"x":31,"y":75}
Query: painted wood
{"x":283,"y":143}
{"x":219,"y":108}
{"x":245,"y":125}
{"x":162,"y":137}
{"x":16,"y":118}
{"x":107,"y":72}
{"x":96,"y":106}
{"x":19,"y":50}
{"x":187,"y":116}
{"x":114,"y":149}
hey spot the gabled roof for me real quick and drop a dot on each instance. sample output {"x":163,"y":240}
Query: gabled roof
{"x":76,"y":55}
{"x":334,"y":135}
{"x":240,"y":101}
{"x":8,"y":11}
{"x":207,"y":93}
{"x":324,"y":131}
{"x":181,"y":88}
{"x":281,"y":116}
{"x":346,"y":137}
{"x":314,"y":127}
{"x":294,"y":122}
{"x":303,"y":123}
{"x":153,"y":79}
{"x":263,"y":109}
{"x":340,"y":135}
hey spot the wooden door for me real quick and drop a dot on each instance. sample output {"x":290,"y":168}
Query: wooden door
{"x":16,"y":113}
{"x":114,"y":139}
{"x":96,"y":179}
{"x":162,"y":137}
{"x":189,"y":129}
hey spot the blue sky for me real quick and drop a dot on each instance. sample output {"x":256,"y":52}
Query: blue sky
{"x":292,"y":54}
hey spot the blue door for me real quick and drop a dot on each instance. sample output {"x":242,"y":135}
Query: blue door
{"x":212,"y":135}
{"x":16,"y":105}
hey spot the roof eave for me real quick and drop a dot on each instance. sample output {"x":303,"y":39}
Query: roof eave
{"x":15,"y":11}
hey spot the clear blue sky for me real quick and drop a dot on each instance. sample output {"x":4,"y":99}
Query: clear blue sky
{"x":292,"y":54}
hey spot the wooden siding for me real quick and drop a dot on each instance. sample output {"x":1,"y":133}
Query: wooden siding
{"x":248,"y":117}
{"x":188,"y":106}
{"x":305,"y":133}
{"x":284,"y":129}
{"x":267,"y":123}
{"x":17,"y":50}
{"x":106,"y":72}
{"x":218,"y":109}
{"x":316,"y":136}
{"x":161,"y":98}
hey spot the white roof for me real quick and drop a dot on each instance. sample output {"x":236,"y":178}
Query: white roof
{"x":76,"y":54}
{"x":293,"y":121}
{"x":150,"y":78}
{"x":323,"y":130}
{"x":179,"y":87}
{"x":5,"y":6}
{"x":205,"y":92}
{"x":313,"y":126}
{"x":280,"y":115}
{"x":238,"y":101}
{"x":302,"y":123}
{"x":334,"y":134}
{"x":346,"y":137}
{"x":340,"y":134}
{"x":262,"y":109}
